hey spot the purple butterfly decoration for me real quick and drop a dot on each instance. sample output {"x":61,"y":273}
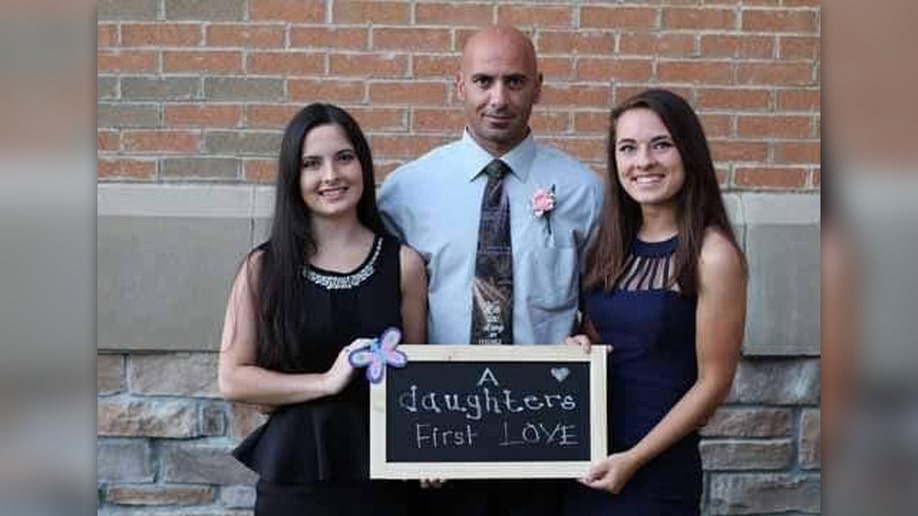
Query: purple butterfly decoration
{"x":378,"y":354}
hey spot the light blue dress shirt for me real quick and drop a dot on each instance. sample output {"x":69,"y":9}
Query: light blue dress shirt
{"x":433,"y":204}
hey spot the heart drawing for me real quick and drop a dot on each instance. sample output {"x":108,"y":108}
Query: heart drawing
{"x":560,"y":373}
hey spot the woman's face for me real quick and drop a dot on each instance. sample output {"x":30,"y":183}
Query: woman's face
{"x":331,"y":178}
{"x":649,"y":164}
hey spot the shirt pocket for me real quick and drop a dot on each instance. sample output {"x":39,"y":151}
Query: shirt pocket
{"x":553,"y":278}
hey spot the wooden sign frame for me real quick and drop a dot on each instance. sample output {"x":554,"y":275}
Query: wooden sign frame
{"x":380,"y":467}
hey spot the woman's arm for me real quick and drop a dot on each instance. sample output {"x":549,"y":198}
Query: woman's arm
{"x":414,"y":296}
{"x":586,"y":336}
{"x":720,"y":320}
{"x":240,"y":379}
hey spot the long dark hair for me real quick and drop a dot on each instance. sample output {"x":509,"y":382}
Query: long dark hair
{"x":280,"y":292}
{"x":698,"y":203}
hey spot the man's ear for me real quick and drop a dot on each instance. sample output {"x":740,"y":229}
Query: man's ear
{"x":460,"y":86}
{"x":538,"y":89}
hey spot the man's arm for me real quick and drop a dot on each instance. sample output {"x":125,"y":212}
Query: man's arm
{"x":596,"y":193}
{"x":390,"y":206}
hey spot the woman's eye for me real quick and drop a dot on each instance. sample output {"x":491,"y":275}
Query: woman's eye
{"x":346,"y":157}
{"x":310,"y":163}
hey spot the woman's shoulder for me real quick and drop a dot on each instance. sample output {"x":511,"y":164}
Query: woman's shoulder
{"x":257,"y":256}
{"x":410,"y":259}
{"x":720,"y":255}
{"x":253,"y":262}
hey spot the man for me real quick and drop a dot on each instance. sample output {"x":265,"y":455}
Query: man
{"x":503,"y":259}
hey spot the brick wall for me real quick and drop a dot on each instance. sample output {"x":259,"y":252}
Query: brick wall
{"x":192,"y":91}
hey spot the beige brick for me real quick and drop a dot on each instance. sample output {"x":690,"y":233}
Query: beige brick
{"x":785,"y":382}
{"x":106,"y":87}
{"x":243,"y":89}
{"x":209,"y":10}
{"x":202,"y":463}
{"x":810,"y":439}
{"x":763,"y":493}
{"x":213,"y":419}
{"x":127,"y":115}
{"x":746,"y":454}
{"x":182,"y":374}
{"x":159,"y":88}
{"x":159,"y":495}
{"x":199,"y":168}
{"x":123,"y":461}
{"x":748,"y":422}
{"x":237,"y":496}
{"x":244,"y":143}
{"x":244,"y":419}
{"x":146,"y":418}
{"x":109,"y":374}
{"x":160,"y":34}
{"x":126,"y":9}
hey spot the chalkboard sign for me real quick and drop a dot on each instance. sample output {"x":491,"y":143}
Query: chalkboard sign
{"x":489,"y":412}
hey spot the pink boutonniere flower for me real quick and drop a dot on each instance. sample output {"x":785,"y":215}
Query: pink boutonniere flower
{"x":543,"y":202}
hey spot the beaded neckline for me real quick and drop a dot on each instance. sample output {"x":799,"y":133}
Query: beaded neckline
{"x":331,"y":280}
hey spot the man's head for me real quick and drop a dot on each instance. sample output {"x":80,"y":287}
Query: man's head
{"x":499,"y":82}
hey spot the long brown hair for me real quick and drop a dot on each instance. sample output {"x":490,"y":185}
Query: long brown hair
{"x":699,"y":206}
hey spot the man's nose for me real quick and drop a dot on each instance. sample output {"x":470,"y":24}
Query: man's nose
{"x":499,"y":95}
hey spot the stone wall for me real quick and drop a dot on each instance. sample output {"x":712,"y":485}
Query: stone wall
{"x":167,"y":255}
{"x":165,"y":437}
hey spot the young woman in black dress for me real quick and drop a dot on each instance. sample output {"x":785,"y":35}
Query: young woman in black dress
{"x":327,"y":279}
{"x":666,"y":287}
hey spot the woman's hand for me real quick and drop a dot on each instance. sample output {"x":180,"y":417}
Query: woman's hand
{"x":612,"y":473}
{"x":584,"y":342}
{"x":340,"y":373}
{"x":579,"y":340}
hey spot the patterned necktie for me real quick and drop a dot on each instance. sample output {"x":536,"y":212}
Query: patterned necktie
{"x":492,"y":289}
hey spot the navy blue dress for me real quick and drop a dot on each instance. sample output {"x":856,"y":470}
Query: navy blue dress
{"x":653,"y":364}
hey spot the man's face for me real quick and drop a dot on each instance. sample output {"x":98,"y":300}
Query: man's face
{"x":499,"y":83}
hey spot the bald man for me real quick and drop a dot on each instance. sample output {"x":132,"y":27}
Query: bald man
{"x":434,"y":204}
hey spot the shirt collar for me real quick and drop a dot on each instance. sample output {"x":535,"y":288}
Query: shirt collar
{"x":519,"y":158}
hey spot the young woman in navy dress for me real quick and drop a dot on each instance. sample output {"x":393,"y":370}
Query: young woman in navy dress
{"x":665,"y":286}
{"x":327,"y":279}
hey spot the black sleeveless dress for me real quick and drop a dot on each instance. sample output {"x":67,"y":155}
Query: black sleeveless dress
{"x":313,"y":457}
{"x":652,"y":365}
